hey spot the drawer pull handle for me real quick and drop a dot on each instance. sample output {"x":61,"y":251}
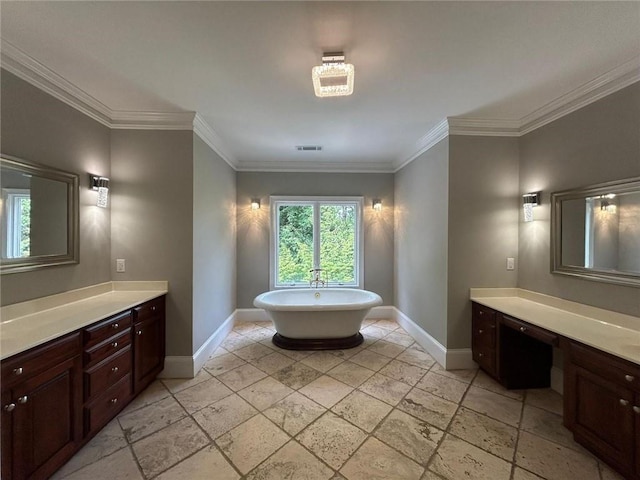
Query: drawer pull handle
{"x":139,"y":332}
{"x":18,"y":371}
{"x":481,"y":355}
{"x":624,"y":402}
{"x":10,"y":407}
{"x":636,"y":409}
{"x":115,"y":369}
{"x":523,"y":329}
{"x":114,"y":401}
{"x":115,"y":325}
{"x":153,"y":309}
{"x":480,"y":331}
{"x":481,"y":313}
{"x":629,"y":378}
{"x":23,"y":399}
{"x":114,"y":344}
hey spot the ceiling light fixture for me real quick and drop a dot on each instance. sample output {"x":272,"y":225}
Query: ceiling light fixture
{"x":333,"y":78}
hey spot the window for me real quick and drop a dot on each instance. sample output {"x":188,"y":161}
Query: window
{"x":17,"y":215}
{"x":316,"y":232}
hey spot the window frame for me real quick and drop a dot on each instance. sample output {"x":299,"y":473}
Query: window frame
{"x":277,"y":200}
{"x":12,"y":220}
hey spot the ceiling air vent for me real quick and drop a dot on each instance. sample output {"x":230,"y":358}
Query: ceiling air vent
{"x":308,"y":148}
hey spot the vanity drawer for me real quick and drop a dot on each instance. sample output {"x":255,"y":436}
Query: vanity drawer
{"x":531,"y":330}
{"x":486,"y":358}
{"x":480,"y":312}
{"x":107,"y":348}
{"x":484,"y":332}
{"x":150,"y":309}
{"x":612,"y":368}
{"x":107,"y":373}
{"x":107,"y":405}
{"x":107,"y":328}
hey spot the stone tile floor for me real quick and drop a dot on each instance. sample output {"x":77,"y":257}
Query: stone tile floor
{"x":385,"y":410}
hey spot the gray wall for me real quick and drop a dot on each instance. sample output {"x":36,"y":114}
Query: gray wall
{"x":37,"y":127}
{"x":214,"y":241}
{"x":253,"y":226}
{"x":629,"y":224}
{"x":483,"y":224}
{"x":421,"y":217}
{"x":152,"y":219}
{"x":595,"y":144}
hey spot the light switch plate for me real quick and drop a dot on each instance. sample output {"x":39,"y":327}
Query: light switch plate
{"x":120,"y":265}
{"x":511,"y":263}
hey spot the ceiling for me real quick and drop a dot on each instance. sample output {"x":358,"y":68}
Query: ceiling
{"x":245,"y":67}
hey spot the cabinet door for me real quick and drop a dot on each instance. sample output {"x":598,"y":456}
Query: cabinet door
{"x":601,"y":416}
{"x":47,"y":420}
{"x":636,"y":410}
{"x":148,"y":351}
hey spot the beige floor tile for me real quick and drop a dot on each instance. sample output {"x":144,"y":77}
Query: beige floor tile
{"x":235,"y":341}
{"x":376,"y":461}
{"x":165,"y":448}
{"x":154,"y":392}
{"x":520,"y":474}
{"x":253,"y":352}
{"x":387,"y":324}
{"x":374,"y":331}
{"x":411,"y":436}
{"x":485,"y":432}
{"x":552,"y":461}
{"x":291,"y":462}
{"x":326,"y":391}
{"x":252,"y":442}
{"x":145,"y":421}
{"x":245,"y":327}
{"x":465,"y":376}
{"x":176,"y":384}
{"x":350,"y":373}
{"x":545,"y":398}
{"x":260,"y":334}
{"x":496,"y":406}
{"x":110,"y":439}
{"x":388,"y":349}
{"x":362,"y":410}
{"x":120,"y":465}
{"x":203,"y":394}
{"x":485,"y":381}
{"x":224,"y":415}
{"x":403,"y":372}
{"x":223,"y":363}
{"x":218,"y":352}
{"x":400,"y":338}
{"x":386,"y":389}
{"x":547,"y":425}
{"x":241,"y":377}
{"x":265,"y":393}
{"x":371,"y":360}
{"x":332,"y":439}
{"x":442,"y":386}
{"x":297,"y":375}
{"x":434,"y":410}
{"x":348,"y":352}
{"x":273,"y":362}
{"x":322,"y":361}
{"x":456,"y":459}
{"x":208,"y":463}
{"x":416,"y":357}
{"x":294,"y":413}
{"x":297,"y":355}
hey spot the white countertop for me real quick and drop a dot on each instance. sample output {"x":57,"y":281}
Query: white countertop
{"x":608,"y":331}
{"x":28,"y":324}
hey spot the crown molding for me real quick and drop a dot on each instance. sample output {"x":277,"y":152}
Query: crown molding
{"x":439,"y":132}
{"x":121,"y":120}
{"x":315,"y":167}
{"x":211,"y":138}
{"x":483,"y":127}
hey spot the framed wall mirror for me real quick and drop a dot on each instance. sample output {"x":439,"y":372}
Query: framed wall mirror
{"x":595,"y":232}
{"x":38,"y":216}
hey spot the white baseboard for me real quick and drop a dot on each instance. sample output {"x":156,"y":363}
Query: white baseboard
{"x":557,"y":380}
{"x":188,"y":367}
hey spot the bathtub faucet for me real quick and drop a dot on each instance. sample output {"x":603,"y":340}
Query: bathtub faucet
{"x":315,"y":277}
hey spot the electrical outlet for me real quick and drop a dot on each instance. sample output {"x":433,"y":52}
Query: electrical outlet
{"x":120,"y":266}
{"x":511,"y":263}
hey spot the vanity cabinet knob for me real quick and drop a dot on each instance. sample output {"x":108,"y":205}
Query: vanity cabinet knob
{"x":23,"y":399}
{"x":481,"y":355}
{"x":9,"y":407}
{"x":115,"y":325}
{"x":480,"y":331}
{"x":153,"y":308}
{"x":18,"y":371}
{"x":481,"y":313}
{"x":636,"y":409}
{"x":115,"y":369}
{"x":114,"y":344}
{"x":629,"y":378}
{"x":114,"y":401}
{"x":523,"y":329}
{"x":139,"y":332}
{"x":624,"y":402}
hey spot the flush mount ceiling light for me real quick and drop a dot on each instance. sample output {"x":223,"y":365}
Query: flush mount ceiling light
{"x":333,"y":78}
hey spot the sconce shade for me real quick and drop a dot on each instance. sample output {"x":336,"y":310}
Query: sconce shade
{"x":101,"y":185}
{"x":377,"y":204}
{"x":530,"y":200}
{"x":255,"y":203}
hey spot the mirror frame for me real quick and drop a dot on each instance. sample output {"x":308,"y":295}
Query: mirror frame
{"x":607,"y":276}
{"x":73,"y":218}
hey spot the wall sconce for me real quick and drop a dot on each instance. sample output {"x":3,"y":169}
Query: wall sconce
{"x":255,"y":204}
{"x":530,"y":200}
{"x":101,"y":185}
{"x":377,"y":204}
{"x":606,"y":204}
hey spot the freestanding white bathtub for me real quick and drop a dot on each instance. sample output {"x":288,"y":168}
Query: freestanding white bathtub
{"x":317,"y":319}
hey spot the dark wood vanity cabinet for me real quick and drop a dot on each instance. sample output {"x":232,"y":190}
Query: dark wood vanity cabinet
{"x":41,"y":409}
{"x":484,"y":338}
{"x":57,"y":396}
{"x":602,"y":405}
